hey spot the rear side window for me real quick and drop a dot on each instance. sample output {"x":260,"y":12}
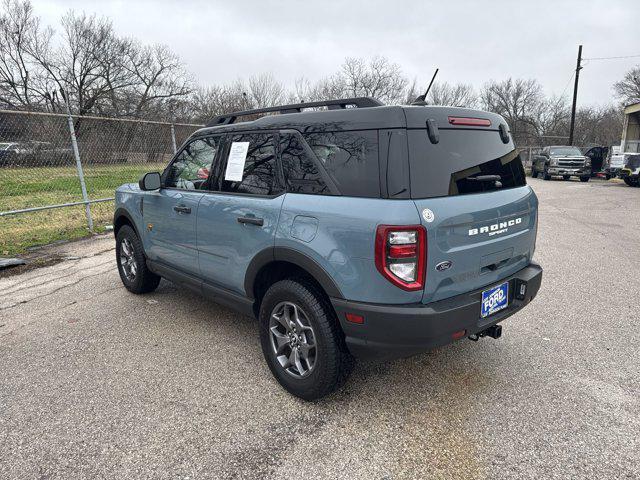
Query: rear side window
{"x":258,"y":176}
{"x":351,"y":159}
{"x":497,"y":174}
{"x":300,"y":170}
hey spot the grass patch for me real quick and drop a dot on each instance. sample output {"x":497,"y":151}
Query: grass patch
{"x":34,"y":187}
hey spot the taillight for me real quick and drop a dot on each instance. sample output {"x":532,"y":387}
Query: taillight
{"x":401,"y":255}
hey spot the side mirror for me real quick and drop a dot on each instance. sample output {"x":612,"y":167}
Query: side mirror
{"x":150,"y":181}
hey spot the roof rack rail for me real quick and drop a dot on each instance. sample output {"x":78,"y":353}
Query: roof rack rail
{"x":359,"y":102}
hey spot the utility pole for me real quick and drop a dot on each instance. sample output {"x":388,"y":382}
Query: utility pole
{"x":575,"y":95}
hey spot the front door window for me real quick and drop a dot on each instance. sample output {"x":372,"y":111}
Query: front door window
{"x":190,"y":170}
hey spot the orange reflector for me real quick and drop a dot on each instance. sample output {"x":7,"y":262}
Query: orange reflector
{"x":459,"y":334}
{"x":353,"y":318}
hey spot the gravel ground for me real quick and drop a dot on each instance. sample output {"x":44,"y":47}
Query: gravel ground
{"x":97,"y":382}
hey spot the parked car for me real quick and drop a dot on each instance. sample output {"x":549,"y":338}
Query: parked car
{"x":561,"y":160}
{"x":631,"y":171}
{"x":615,"y":162}
{"x":10,"y":152}
{"x":34,"y":153}
{"x":363,"y":230}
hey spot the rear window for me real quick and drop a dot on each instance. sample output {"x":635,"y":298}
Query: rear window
{"x":497,"y":174}
{"x":462,"y":162}
{"x":351,"y":159}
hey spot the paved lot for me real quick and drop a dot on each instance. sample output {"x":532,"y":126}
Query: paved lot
{"x":97,"y":382}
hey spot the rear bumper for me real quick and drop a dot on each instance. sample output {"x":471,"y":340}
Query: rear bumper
{"x":395,"y":331}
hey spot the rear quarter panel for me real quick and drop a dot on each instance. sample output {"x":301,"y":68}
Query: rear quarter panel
{"x":343,"y":243}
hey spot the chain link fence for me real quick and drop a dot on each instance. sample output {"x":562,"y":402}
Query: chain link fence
{"x":51,"y":189}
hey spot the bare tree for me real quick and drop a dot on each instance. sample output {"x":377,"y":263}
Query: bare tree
{"x":206,"y":103}
{"x":157,"y":77}
{"x":265,"y":91}
{"x":519,"y":102}
{"x":88,"y":64}
{"x":99,"y":71}
{"x":598,"y":125}
{"x":22,"y":83}
{"x":378,"y":78}
{"x":551,"y":119}
{"x":458,"y":95}
{"x":628,"y":89}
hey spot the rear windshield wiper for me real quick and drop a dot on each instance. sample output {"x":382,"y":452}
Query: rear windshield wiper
{"x":485,"y":178}
{"x":488,"y":178}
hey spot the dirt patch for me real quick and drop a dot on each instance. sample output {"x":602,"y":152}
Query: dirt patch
{"x":32,"y":264}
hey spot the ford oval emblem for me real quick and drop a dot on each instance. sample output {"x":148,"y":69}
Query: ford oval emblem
{"x":428,"y":215}
{"x":442,"y":266}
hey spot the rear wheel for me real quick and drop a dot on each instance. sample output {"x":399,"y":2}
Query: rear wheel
{"x":584,"y":179}
{"x":132,"y":265}
{"x":301,"y":340}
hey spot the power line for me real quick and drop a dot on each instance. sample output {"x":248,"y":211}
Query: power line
{"x":612,"y":58}
{"x":567,"y":85}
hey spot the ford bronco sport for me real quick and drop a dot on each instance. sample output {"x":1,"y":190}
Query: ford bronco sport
{"x":348,"y":228}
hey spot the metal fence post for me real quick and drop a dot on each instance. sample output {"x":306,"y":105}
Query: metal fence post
{"x":173,"y":138}
{"x":76,"y":154}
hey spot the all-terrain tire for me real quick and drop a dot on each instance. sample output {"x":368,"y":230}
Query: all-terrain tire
{"x":332,"y":361}
{"x":129,"y":252}
{"x":584,"y":179}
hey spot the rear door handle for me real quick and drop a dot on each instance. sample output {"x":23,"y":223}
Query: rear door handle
{"x":182,"y":209}
{"x":251,"y":220}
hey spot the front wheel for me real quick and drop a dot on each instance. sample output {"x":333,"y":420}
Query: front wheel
{"x":584,"y":179}
{"x":301,"y":340}
{"x":632,"y":182}
{"x":132,"y":265}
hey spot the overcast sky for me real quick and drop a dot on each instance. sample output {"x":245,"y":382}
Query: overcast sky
{"x":470,"y":41}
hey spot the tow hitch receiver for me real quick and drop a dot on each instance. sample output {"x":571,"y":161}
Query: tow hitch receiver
{"x":494,"y":331}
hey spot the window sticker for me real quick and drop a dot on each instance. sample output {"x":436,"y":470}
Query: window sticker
{"x":236,"y":161}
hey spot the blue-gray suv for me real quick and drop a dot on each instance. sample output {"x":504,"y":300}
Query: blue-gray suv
{"x":348,"y":228}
